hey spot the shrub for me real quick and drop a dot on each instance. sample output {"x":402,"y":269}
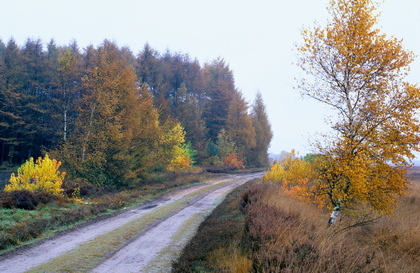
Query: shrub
{"x":232,"y":160}
{"x":298,"y":178}
{"x":183,"y":157}
{"x":78,"y":188}
{"x":21,"y":199}
{"x":212,"y":161}
{"x":39,"y":176}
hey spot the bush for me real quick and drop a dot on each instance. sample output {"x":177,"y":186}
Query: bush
{"x":21,"y":199}
{"x":45,"y":197}
{"x":41,"y":176}
{"x":232,"y":160}
{"x":78,"y":188}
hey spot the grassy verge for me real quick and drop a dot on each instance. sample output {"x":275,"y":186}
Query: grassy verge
{"x":218,"y":236}
{"x":168,"y":255}
{"x":280,"y":234}
{"x":90,"y":254}
{"x":162,"y":263}
{"x":20,"y":227}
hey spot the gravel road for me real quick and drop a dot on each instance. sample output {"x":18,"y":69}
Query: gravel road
{"x":156,"y":247}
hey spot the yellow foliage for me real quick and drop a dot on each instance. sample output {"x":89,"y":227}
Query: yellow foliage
{"x":42,"y":175}
{"x":174,"y":136}
{"x":181,"y":159}
{"x":176,"y":150}
{"x":359,"y":178}
{"x":297,"y":177}
{"x":275,"y":173}
{"x":359,"y":73}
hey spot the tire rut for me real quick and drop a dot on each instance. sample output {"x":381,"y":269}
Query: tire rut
{"x":50,"y":249}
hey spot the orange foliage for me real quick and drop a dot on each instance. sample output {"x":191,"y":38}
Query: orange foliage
{"x":232,"y":160}
{"x":297,"y":177}
{"x":180,"y":162}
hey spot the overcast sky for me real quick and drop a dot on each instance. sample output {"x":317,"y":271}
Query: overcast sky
{"x":256,"y":39}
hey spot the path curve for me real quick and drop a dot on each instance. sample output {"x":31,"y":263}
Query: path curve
{"x":143,"y":251}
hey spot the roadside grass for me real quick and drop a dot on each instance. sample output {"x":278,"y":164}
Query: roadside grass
{"x":278,"y":233}
{"x":92,"y":253}
{"x":219,"y":235}
{"x":162,"y":263}
{"x":170,"y":254}
{"x":20,"y":227}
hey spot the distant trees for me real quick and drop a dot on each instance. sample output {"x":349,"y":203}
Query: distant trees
{"x":108,"y":115}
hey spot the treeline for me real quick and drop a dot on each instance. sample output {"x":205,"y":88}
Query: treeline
{"x":113,"y":117}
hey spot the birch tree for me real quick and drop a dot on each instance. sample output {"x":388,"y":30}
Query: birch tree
{"x":359,"y":72}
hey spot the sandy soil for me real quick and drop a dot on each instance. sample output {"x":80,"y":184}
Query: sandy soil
{"x":142,"y":251}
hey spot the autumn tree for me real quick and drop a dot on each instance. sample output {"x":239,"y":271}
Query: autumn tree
{"x":146,"y":139}
{"x":297,"y":177}
{"x":173,"y":153}
{"x":227,"y":151}
{"x":220,"y":86}
{"x":239,"y":126}
{"x":263,"y":133}
{"x":39,"y":176}
{"x":359,"y":73}
{"x":99,"y":149}
{"x":66,"y":95}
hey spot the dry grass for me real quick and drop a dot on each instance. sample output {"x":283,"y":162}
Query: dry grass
{"x":286,"y":235}
{"x":282,"y":234}
{"x":215,"y":248}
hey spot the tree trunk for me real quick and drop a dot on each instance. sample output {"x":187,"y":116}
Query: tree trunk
{"x":65,"y":126}
{"x":334,"y":215}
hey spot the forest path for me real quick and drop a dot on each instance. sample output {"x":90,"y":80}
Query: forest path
{"x":157,"y":245}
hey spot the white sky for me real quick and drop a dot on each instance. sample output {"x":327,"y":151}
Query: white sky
{"x":256,"y":39}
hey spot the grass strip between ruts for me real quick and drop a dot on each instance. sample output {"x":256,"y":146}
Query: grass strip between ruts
{"x":219,"y":234}
{"x":88,"y":255}
{"x":163,"y":262}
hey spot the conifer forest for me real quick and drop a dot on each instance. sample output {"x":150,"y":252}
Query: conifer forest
{"x":112,"y":116}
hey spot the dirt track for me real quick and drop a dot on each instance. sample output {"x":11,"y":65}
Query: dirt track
{"x":153,"y":250}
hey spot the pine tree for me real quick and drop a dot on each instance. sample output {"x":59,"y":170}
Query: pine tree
{"x":36,"y":85}
{"x":12,"y":105}
{"x":148,"y":69}
{"x":190,"y":115}
{"x":220,"y":88}
{"x":263,"y":134}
